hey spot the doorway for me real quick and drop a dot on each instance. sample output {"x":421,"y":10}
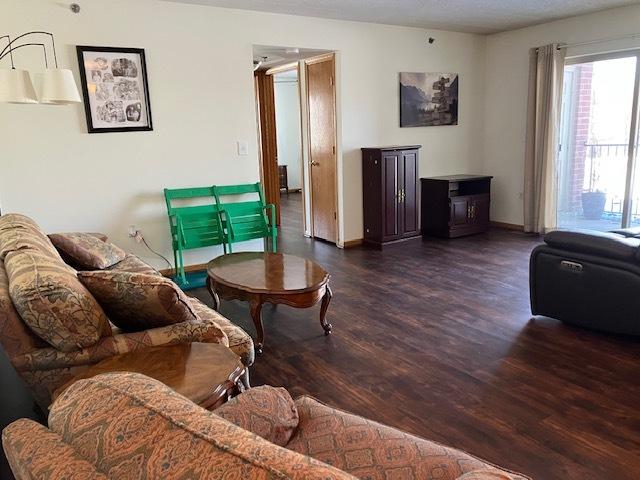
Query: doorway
{"x":296,"y":106}
{"x":598,"y":182}
{"x":286,"y":89}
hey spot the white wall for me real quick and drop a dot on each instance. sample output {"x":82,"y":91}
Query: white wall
{"x":200,"y":80}
{"x":505,"y":107}
{"x":288,"y":130}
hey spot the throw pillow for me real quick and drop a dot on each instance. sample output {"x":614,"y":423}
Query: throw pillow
{"x":266,"y":411}
{"x":85,"y":251}
{"x":52,"y":302}
{"x":137,"y":301}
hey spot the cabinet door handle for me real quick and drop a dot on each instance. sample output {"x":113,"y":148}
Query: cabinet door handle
{"x":315,"y":164}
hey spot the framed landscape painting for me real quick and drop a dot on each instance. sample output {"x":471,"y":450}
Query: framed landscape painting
{"x":115,"y":89}
{"x":428,"y":99}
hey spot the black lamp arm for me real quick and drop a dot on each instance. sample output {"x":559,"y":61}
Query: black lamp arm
{"x":13,"y":49}
{"x":9,"y":40}
{"x":9,"y":48}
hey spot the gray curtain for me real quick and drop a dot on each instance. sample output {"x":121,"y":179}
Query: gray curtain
{"x":546,"y":69}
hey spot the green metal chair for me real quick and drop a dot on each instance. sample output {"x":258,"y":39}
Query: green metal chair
{"x":192,"y":226}
{"x":246,"y":219}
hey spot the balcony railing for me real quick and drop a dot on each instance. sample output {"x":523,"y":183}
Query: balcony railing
{"x":596,"y":153}
{"x":606,"y":171}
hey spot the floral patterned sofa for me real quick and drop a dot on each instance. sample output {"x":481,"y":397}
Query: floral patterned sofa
{"x":128,"y":426}
{"x":26,"y":257}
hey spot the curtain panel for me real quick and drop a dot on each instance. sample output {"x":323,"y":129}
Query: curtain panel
{"x":546,"y":70}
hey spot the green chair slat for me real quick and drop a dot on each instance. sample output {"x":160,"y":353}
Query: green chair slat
{"x":222,"y":190}
{"x":246,"y":220}
{"x":193,"y":226}
{"x":194,"y":192}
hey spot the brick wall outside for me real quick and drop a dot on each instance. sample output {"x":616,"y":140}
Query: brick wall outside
{"x":581,"y":120}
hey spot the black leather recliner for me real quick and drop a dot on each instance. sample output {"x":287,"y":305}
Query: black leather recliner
{"x":587,"y":278}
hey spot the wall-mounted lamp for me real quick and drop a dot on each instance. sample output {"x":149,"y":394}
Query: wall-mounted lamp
{"x":58,"y":85}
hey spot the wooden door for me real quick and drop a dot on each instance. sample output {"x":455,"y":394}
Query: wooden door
{"x":321,"y":107}
{"x":459,"y":212}
{"x":265,"y":102}
{"x":409,"y":187}
{"x":391,"y":219}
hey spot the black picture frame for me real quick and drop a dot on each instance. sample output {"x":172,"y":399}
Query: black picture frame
{"x":132,"y":109}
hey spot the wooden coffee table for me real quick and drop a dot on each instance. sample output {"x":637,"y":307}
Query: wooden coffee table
{"x":259,"y":278}
{"x":206,"y":373}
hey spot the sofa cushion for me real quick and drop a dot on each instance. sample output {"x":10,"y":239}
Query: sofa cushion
{"x":592,"y":242}
{"x":135,"y":301}
{"x":85,"y":251}
{"x":131,"y":426}
{"x":16,"y":338}
{"x":367,"y":449}
{"x":240,"y":342}
{"x":133,"y":264}
{"x":18,"y":232}
{"x":35,"y":452}
{"x":52,"y":302}
{"x":266,"y":411}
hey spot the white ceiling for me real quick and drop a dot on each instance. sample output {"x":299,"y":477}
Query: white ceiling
{"x":474,"y":16}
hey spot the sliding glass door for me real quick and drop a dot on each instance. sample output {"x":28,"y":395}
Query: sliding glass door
{"x":598,"y":182}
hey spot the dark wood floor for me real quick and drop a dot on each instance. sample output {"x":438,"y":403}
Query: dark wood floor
{"x":435,"y":337}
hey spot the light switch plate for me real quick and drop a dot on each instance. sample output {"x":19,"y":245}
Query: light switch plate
{"x":243,"y":148}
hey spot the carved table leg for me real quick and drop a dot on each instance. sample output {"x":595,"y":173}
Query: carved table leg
{"x":245,"y":379}
{"x":323,"y":311}
{"x":214,"y":295}
{"x":256,"y":309}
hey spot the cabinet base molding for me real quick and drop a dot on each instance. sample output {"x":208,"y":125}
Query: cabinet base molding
{"x":381,"y":245}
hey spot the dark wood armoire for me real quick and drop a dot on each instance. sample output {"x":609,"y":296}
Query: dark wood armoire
{"x":455,"y":205}
{"x":390,"y":193}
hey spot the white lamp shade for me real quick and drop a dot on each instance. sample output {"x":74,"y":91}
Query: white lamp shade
{"x":59,"y":87}
{"x":16,"y":87}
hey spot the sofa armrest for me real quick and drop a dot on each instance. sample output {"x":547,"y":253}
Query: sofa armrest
{"x":604,"y":244}
{"x":50,"y":358}
{"x":34,"y":451}
{"x":171,"y":429}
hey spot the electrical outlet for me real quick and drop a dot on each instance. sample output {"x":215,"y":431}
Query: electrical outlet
{"x":132,"y":231}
